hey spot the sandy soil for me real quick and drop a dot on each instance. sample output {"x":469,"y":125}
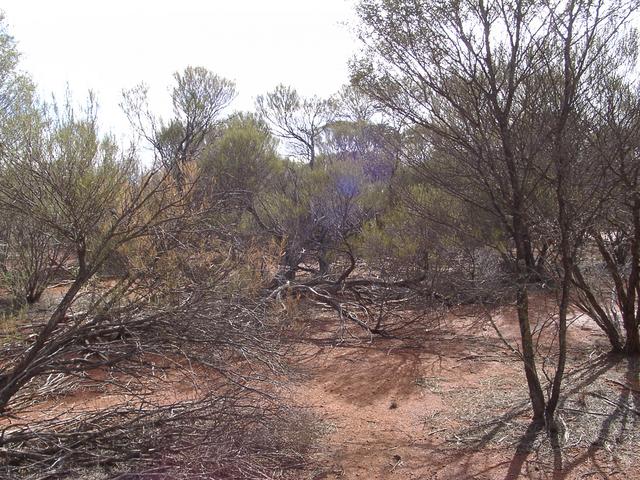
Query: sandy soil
{"x":448,"y":401}
{"x":445,"y":399}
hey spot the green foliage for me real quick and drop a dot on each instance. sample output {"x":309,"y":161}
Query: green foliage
{"x":373,"y":146}
{"x":81,"y":194}
{"x":198,"y":98}
{"x":317,"y":214}
{"x":33,"y":258}
{"x":243,"y":159}
{"x":68,"y":180}
{"x":16,"y":92}
{"x":401,"y":239}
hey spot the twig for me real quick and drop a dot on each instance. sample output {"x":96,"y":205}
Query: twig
{"x":615,"y":404}
{"x":623,"y":385}
{"x":577,"y":410}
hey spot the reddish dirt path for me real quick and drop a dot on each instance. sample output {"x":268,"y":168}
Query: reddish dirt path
{"x":402,"y":408}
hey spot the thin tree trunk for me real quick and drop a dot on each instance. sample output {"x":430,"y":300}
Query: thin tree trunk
{"x":323,"y":264}
{"x":22,"y":372}
{"x":528,"y":354}
{"x":567,"y":269}
{"x":629,"y":314}
{"x":590,"y":305}
{"x":536,"y":393}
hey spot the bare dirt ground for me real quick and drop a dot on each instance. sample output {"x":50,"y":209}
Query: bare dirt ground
{"x":445,"y":399}
{"x":448,"y":400}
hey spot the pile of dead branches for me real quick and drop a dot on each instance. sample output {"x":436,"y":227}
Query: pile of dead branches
{"x":225,"y":435}
{"x":186,"y":391}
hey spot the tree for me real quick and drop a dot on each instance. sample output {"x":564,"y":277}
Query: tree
{"x":171,"y":304}
{"x":353,"y":105}
{"x":241,"y":161}
{"x":300,"y":121}
{"x":607,"y":290}
{"x":29,"y":252}
{"x":94,"y":200}
{"x":373,"y":146}
{"x":16,"y":88}
{"x":493,"y":88}
{"x":33,"y":259}
{"x":198,"y":97}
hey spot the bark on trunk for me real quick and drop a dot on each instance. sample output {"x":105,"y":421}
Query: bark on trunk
{"x":528,"y":354}
{"x":591,"y":305}
{"x":26,"y":368}
{"x":630,"y":314}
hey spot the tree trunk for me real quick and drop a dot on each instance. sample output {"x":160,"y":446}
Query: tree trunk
{"x":632,"y":345}
{"x":290,"y":264}
{"x":591,"y":305}
{"x":323,"y":264}
{"x":528,"y":354}
{"x":26,"y":368}
{"x":536,"y":393}
{"x":567,"y":269}
{"x":525,"y":265}
{"x":630,"y":313}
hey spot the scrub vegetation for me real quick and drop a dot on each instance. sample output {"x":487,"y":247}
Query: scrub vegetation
{"x":435,"y":273}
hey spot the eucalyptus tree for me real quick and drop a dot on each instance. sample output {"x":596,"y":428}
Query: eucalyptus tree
{"x":241,"y":161}
{"x":354,"y":105}
{"x":235,"y":170}
{"x":299,"y":121}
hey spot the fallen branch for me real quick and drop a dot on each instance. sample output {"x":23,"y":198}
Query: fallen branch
{"x":326,"y":299}
{"x":623,"y":385}
{"x":615,"y":404}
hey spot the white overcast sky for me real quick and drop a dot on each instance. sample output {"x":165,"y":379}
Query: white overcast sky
{"x":110,"y":45}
